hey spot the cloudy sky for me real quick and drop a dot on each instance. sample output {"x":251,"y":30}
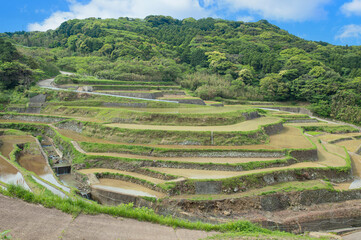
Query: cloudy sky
{"x":334,"y":21}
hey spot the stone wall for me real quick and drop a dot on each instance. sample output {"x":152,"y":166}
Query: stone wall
{"x":134,"y":165}
{"x":222,"y":154}
{"x":189,"y":101}
{"x":305,"y":155}
{"x":308,"y":120}
{"x":273,"y":129}
{"x":32,"y":118}
{"x":71,"y":125}
{"x":293,"y":109}
{"x":134,"y":105}
{"x":244,"y":183}
{"x":271,"y":202}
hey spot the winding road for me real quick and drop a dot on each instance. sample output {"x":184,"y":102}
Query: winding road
{"x":49,"y":84}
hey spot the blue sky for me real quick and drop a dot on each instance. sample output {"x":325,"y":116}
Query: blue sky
{"x":334,"y":21}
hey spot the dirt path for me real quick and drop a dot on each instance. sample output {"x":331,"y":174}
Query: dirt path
{"x":249,"y":125}
{"x":30,"y":221}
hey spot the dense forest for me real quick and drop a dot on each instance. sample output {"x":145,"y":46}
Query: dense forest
{"x":215,"y":58}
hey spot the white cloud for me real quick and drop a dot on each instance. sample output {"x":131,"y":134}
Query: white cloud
{"x":283,"y":10}
{"x":123,"y":8}
{"x":245,"y":18}
{"x":352,"y":8}
{"x":349,"y":31}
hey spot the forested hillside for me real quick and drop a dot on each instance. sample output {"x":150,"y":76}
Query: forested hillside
{"x":214,"y":58}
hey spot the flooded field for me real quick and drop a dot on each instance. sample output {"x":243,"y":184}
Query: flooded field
{"x":9,"y":140}
{"x":37,"y":164}
{"x":126,"y":188}
{"x":10,"y":175}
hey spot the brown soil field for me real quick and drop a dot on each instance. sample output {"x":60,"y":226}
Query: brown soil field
{"x":331,"y":137}
{"x":6,"y":167}
{"x":34,"y":163}
{"x":250,"y":125}
{"x":127,"y":187}
{"x":350,"y":145}
{"x":356,"y":164}
{"x":10,"y":140}
{"x":133,"y":174}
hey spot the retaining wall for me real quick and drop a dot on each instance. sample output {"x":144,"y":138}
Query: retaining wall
{"x":32,"y":118}
{"x":244,"y":183}
{"x":273,"y":129}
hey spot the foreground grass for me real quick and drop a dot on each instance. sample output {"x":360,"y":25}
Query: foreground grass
{"x":78,"y":205}
{"x":260,"y":236}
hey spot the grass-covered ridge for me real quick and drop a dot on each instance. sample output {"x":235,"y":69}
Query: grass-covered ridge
{"x":95,"y":109}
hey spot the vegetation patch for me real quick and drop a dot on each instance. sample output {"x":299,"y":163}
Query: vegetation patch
{"x":331,"y":129}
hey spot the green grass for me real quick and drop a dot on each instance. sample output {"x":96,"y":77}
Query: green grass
{"x":314,"y":133}
{"x":95,"y":110}
{"x":261,"y":236}
{"x":331,"y":129}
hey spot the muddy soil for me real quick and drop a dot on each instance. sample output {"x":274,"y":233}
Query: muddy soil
{"x":9,"y":141}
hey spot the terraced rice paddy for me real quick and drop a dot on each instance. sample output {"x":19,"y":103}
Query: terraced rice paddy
{"x":9,"y":140}
{"x":249,"y":125}
{"x":350,"y":145}
{"x":126,"y":188}
{"x":214,"y":160}
{"x":289,"y":137}
{"x":133,"y":174}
